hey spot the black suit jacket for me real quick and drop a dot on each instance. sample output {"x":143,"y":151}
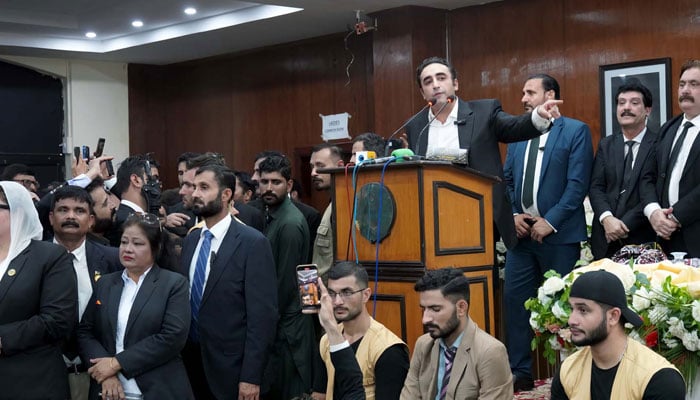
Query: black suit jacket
{"x":250,"y":216}
{"x":481,"y":125}
{"x":238,"y":313}
{"x":38,"y":307}
{"x":607,"y":194}
{"x":687,"y":209}
{"x":101,"y":260}
{"x":155,"y":333}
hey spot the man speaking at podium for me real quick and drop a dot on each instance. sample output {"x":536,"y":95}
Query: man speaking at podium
{"x":476,"y":126}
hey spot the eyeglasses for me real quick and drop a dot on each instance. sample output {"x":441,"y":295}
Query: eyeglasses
{"x":27,"y":182}
{"x":4,"y":207}
{"x":344,"y":294}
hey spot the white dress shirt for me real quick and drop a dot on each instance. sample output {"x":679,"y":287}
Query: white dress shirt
{"x":218,"y":231}
{"x":533,"y":210}
{"x":126,"y":302}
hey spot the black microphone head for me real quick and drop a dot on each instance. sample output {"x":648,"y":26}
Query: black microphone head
{"x":432,"y":101}
{"x":451,"y":98}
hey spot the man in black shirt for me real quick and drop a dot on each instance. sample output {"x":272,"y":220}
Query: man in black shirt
{"x":382,"y":356}
{"x":616,"y":367}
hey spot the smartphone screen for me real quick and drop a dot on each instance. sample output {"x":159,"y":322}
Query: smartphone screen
{"x":86,"y":153}
{"x":307,"y":275}
{"x":100,"y":147}
{"x":110,"y":167}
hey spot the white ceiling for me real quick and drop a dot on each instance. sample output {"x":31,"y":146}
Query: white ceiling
{"x":56,"y":28}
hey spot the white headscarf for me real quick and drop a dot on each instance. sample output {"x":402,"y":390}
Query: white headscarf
{"x":24,"y":219}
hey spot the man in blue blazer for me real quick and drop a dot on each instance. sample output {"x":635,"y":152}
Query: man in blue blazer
{"x":614,"y":192}
{"x":547,"y":179}
{"x":671,"y":188}
{"x":233,"y":296}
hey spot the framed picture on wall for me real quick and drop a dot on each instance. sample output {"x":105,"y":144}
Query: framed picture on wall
{"x":654,"y":74}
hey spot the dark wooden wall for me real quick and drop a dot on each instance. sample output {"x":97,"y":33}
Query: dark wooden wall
{"x":242,"y":104}
{"x":270,"y":98}
{"x":496,"y":46}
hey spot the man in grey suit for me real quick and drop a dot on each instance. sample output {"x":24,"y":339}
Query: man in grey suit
{"x":233,"y":297}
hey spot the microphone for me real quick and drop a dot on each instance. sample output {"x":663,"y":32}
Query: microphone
{"x":450,"y":99}
{"x":380,"y":160}
{"x":387,"y":148}
{"x":212,"y":257}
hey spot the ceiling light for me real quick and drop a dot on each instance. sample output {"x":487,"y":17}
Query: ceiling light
{"x":90,"y":35}
{"x":137,"y":23}
{"x":190,"y":11}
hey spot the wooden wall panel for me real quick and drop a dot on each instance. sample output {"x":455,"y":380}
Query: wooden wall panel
{"x":496,"y":46}
{"x":406,"y":36}
{"x":241,"y":104}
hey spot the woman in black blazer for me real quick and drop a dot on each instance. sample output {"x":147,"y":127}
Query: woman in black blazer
{"x":137,"y":323}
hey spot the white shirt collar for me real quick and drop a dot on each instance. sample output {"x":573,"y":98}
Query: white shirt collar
{"x":133,"y":206}
{"x":79,"y":252}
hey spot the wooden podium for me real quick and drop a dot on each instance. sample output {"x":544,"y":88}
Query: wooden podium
{"x":442,"y":218}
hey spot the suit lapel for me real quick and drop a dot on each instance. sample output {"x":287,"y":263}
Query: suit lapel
{"x":435,"y":355}
{"x":465,"y":125}
{"x":144,"y":294}
{"x":692,"y":156}
{"x":188,"y":252}
{"x":618,"y":159}
{"x":552,"y":139}
{"x":459,"y":367}
{"x":13,"y":272}
{"x":665,"y":144}
{"x":227,"y":249}
{"x":95,"y":261}
{"x":114,"y":296}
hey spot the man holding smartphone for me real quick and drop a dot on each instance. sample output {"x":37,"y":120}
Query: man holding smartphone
{"x":382,"y":356}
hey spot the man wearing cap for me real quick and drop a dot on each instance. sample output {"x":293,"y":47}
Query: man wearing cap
{"x":609,"y":365}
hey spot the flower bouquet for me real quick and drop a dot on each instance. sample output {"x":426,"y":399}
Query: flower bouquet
{"x":665,"y":295}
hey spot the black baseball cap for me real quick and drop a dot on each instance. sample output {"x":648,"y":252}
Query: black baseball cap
{"x":606,"y":288}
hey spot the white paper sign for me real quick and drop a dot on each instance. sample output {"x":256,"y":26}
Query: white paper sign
{"x":335,"y":126}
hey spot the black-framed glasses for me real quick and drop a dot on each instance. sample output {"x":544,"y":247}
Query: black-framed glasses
{"x":344,"y":294}
{"x":4,"y":207}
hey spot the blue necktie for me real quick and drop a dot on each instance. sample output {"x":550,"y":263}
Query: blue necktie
{"x":198,"y":283}
{"x":449,"y":358}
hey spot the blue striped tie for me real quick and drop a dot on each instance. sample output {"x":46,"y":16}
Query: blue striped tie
{"x":198,"y":283}
{"x":449,"y":358}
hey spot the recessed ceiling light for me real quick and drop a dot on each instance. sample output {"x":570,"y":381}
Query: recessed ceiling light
{"x":190,"y":11}
{"x":90,"y":35}
{"x":137,"y":23}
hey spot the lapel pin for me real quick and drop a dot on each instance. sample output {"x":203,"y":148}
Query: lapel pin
{"x":11,"y":272}
{"x":97,"y":276}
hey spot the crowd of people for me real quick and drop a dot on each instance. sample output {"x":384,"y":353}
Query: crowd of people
{"x":111,"y":287}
